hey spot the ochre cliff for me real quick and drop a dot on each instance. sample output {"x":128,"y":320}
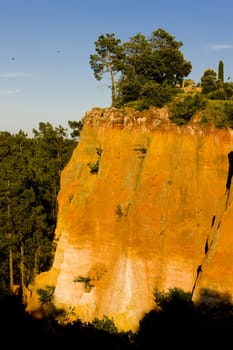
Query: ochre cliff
{"x":157,"y":214}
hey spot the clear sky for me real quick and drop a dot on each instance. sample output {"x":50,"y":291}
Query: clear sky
{"x":45,"y":46}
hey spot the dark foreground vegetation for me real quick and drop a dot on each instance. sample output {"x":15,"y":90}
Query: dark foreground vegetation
{"x":175,"y":322}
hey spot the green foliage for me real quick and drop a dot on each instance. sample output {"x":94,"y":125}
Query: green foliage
{"x":107,"y":58}
{"x":138,"y":105}
{"x":147,"y":68}
{"x":182,"y":110}
{"x":220,"y":113}
{"x":215,"y":88}
{"x":228,"y":114}
{"x":99,"y":151}
{"x":76,"y":126}
{"x":209,"y":81}
{"x":30,"y":179}
{"x":221,"y":71}
{"x":119,"y":211}
{"x":106,"y":324}
{"x":45,"y":295}
{"x":128,"y":92}
{"x":174,"y":296}
{"x":228,"y":110}
{"x":149,"y":71}
{"x":217,"y":95}
{"x":154,"y":94}
{"x":228,"y":89}
{"x":94,"y":167}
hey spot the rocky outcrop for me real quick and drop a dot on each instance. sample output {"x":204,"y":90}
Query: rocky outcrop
{"x":143,"y":204}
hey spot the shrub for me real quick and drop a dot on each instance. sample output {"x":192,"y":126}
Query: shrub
{"x":45,"y":295}
{"x":183,"y":110}
{"x":119,"y":211}
{"x":217,"y":95}
{"x":94,"y":167}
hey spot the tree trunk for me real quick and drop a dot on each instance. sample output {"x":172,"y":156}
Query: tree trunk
{"x":22,"y":272}
{"x":11,"y":265}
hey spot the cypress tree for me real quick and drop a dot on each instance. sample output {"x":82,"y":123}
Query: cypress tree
{"x":221,"y":71}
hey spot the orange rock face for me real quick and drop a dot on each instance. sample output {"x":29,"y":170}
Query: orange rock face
{"x":143,"y":204}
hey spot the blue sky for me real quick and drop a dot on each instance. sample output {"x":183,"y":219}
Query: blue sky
{"x":45,"y":46}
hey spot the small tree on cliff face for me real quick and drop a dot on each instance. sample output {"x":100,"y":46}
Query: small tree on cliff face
{"x":107,"y":58}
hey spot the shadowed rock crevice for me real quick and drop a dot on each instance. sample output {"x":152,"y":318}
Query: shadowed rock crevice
{"x":214,"y":234}
{"x":229,"y":176}
{"x":230,"y":170}
{"x":199,"y":271}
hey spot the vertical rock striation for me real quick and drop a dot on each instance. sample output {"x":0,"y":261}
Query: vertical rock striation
{"x":143,"y":204}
